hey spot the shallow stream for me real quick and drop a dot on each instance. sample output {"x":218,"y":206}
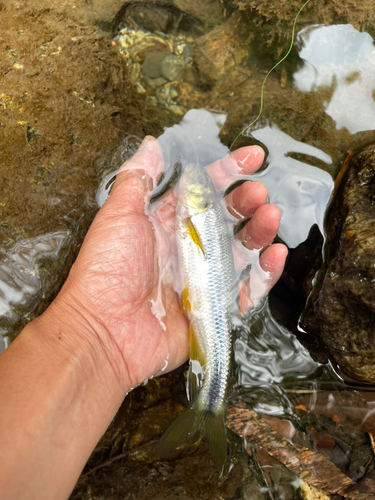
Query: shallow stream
{"x":317,"y":106}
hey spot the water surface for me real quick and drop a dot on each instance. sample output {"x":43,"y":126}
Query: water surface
{"x":325,"y":108}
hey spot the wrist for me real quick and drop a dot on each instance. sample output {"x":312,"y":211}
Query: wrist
{"x":59,"y":394}
{"x":74,"y":340}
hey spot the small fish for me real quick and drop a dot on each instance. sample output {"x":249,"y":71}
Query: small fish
{"x":206,"y":268}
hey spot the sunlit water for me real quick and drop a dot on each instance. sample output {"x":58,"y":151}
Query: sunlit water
{"x":22,"y":276}
{"x":267,"y":356}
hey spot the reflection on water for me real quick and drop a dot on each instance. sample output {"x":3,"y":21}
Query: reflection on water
{"x":300,"y":190}
{"x":342,"y":57}
{"x":265,"y":352}
{"x":21,"y":275}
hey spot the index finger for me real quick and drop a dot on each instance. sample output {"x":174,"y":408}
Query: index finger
{"x":234,"y":166}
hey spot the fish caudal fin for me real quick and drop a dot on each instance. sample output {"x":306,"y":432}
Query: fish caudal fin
{"x":192,"y":424}
{"x":215,"y":433}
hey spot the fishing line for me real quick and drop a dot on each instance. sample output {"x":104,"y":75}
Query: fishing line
{"x":267,"y":75}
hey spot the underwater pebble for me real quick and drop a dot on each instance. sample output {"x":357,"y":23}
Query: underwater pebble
{"x":172,"y":68}
{"x":152,"y":65}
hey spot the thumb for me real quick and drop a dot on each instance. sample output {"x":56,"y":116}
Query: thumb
{"x":137,"y":178}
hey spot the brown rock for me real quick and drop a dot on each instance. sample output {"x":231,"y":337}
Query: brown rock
{"x":318,"y":473}
{"x":96,"y":12}
{"x":209,"y":12}
{"x":272,"y":20}
{"x":150,"y":17}
{"x":345,"y":305}
{"x":165,"y":15}
{"x":222,"y":49}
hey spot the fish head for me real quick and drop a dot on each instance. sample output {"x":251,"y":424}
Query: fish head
{"x":196,"y":190}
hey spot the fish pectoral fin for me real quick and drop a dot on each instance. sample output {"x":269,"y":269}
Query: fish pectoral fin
{"x":196,"y":367}
{"x":196,"y":351}
{"x":196,"y":422}
{"x":185,"y":302}
{"x":194,"y":235}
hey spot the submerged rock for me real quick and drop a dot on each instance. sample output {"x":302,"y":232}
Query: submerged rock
{"x":273,"y":20}
{"x":150,"y":17}
{"x":222,"y":49}
{"x":169,"y":16}
{"x":101,"y":13}
{"x":345,"y":303}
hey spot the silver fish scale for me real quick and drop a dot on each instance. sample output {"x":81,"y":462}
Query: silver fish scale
{"x":209,"y":282}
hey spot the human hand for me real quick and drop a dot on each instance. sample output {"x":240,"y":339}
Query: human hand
{"x":123,"y":276}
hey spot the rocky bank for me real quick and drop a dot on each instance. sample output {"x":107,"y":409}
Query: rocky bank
{"x":344,"y":302}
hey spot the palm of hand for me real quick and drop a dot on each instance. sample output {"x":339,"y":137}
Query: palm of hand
{"x":116,"y":278}
{"x":119,"y":277}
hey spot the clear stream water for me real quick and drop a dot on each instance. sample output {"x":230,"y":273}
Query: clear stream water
{"x":266,"y":354}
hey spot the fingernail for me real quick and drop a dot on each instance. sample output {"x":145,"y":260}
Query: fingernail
{"x":146,"y":141}
{"x":139,"y":166}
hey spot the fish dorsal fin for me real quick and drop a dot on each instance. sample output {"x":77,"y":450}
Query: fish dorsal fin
{"x":196,"y":368}
{"x":194,"y":235}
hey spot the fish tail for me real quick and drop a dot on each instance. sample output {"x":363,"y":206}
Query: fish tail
{"x":197,"y":422}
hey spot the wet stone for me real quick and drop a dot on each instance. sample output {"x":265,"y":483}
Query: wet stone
{"x":221,"y":49}
{"x":272,"y":21}
{"x":188,"y":50}
{"x":173,"y":68}
{"x":151,"y":17}
{"x":344,"y":304}
{"x":152,"y":65}
{"x":100,"y":13}
{"x":208,"y":12}
{"x":154,"y":83}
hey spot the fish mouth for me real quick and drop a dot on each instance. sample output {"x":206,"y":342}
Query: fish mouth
{"x":198,"y":208}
